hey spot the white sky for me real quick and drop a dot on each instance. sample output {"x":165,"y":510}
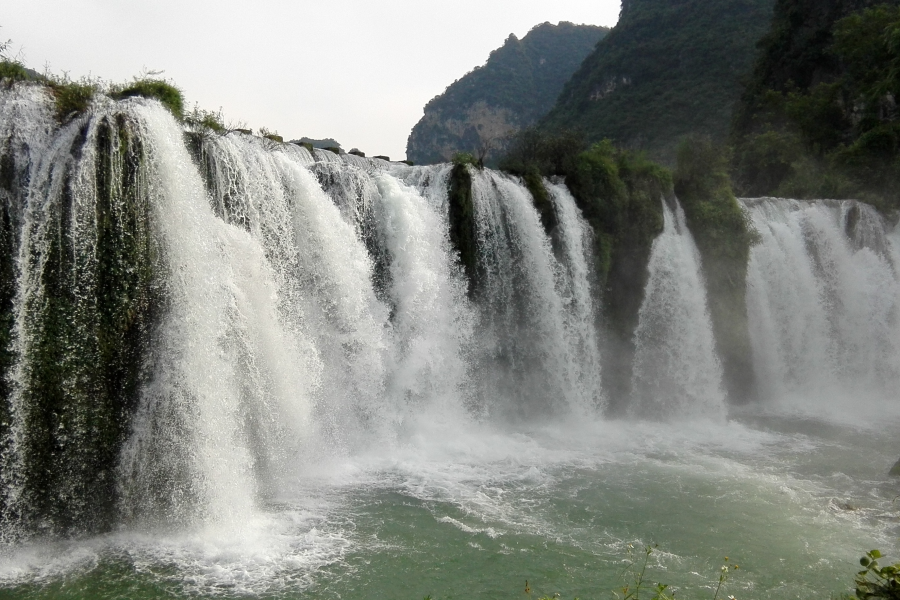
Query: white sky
{"x":360,"y":71}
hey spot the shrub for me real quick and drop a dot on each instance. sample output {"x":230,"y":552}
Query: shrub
{"x":464,"y":158}
{"x":206,"y":119}
{"x":169,"y":95}
{"x":11,"y":71}
{"x":271,"y":135}
{"x":461,"y":214}
{"x":72,"y":98}
{"x":875,"y":581}
{"x":549,"y":153}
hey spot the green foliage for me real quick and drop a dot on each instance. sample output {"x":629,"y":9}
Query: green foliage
{"x":158,"y":89}
{"x":12,"y":71}
{"x":821,"y":121}
{"x":667,"y":70}
{"x":548,"y":153}
{"x":520,"y":80}
{"x":620,"y":194}
{"x":464,"y":158}
{"x":534,"y":182}
{"x":72,"y":98}
{"x":724,"y":234}
{"x":875,"y":581}
{"x":272,"y":136}
{"x":206,"y":120}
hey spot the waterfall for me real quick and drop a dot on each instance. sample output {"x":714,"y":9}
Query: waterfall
{"x":822,"y":300}
{"x":529,"y":318}
{"x":192,"y":322}
{"x":676,"y":370}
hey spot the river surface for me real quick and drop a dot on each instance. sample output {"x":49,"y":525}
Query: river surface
{"x":470,"y":511}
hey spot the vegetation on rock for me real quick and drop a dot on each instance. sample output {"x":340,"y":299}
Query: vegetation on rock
{"x":724,"y":234}
{"x":620,"y":194}
{"x":463,"y":235}
{"x":667,"y":70}
{"x":88,"y":340}
{"x":151,"y":87}
{"x":819,"y":119}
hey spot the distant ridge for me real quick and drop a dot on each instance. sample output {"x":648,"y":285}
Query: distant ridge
{"x":517,"y":85}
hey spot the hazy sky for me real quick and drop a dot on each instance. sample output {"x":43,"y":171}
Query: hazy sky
{"x":359,"y":71}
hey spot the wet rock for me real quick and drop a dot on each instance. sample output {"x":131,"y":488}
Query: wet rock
{"x":895,"y":470}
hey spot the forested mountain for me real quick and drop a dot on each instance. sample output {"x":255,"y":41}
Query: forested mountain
{"x":670,"y":68}
{"x":517,"y":85}
{"x":819,"y":116}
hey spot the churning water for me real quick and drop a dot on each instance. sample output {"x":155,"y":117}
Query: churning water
{"x":237,"y":368}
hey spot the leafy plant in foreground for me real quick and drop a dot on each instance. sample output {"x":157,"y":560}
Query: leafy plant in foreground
{"x":875,"y":581}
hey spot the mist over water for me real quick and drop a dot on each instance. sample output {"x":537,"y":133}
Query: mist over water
{"x":321,"y":407}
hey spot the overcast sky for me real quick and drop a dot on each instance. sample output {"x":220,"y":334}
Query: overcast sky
{"x":359,"y":71}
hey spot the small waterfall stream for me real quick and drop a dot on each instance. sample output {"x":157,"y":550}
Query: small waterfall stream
{"x":676,"y":370}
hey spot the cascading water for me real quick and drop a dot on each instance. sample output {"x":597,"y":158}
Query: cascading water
{"x":234,"y":367}
{"x":676,"y":370}
{"x":533,"y":305}
{"x":282,"y":303}
{"x":822,"y":297}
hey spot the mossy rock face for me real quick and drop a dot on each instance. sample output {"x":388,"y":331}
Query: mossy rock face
{"x":274,"y":137}
{"x":620,"y":194}
{"x":13,"y":182}
{"x":387,"y":158}
{"x":542,"y":202}
{"x":88,"y":335}
{"x":335,"y":150}
{"x":463,"y":233}
{"x":724,"y":236}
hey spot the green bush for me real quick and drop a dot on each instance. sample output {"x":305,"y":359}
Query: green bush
{"x":875,"y":581}
{"x":72,"y":98}
{"x":836,"y":134}
{"x":549,"y":153}
{"x":206,"y":120}
{"x":11,"y":71}
{"x":464,"y":158}
{"x":168,"y":95}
